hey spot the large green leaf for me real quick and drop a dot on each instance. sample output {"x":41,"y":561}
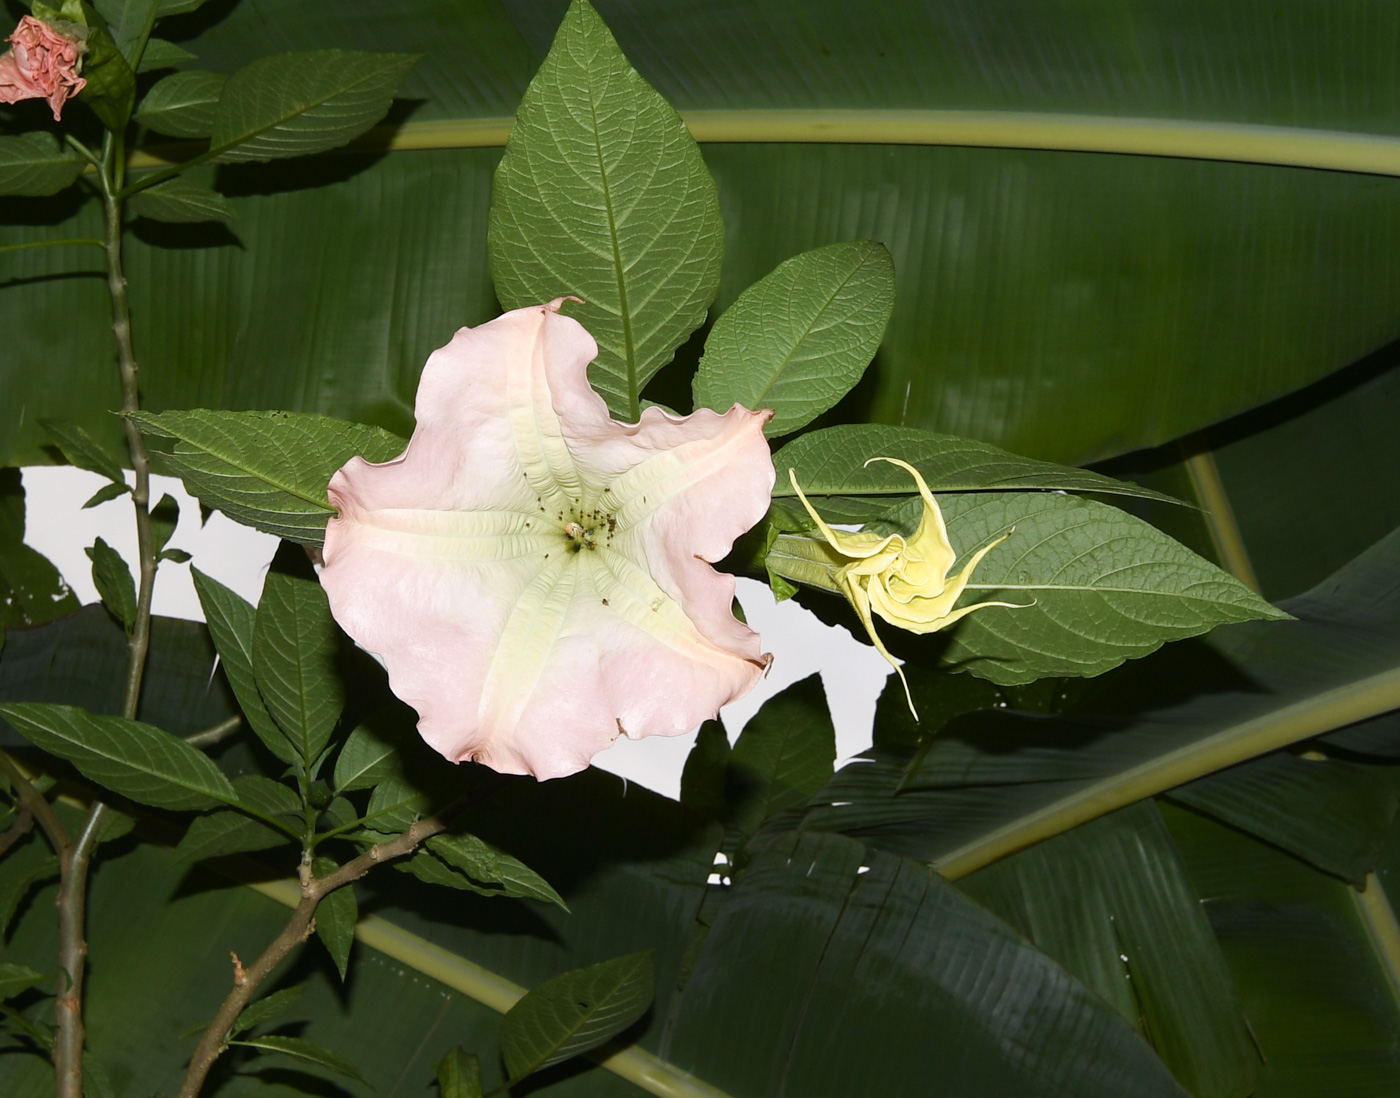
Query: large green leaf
{"x":266,"y":469}
{"x":995,"y":781}
{"x":295,"y":646}
{"x":36,"y":164}
{"x":183,"y":104}
{"x":591,"y":135}
{"x":1111,"y":901}
{"x":880,"y":954}
{"x":799,"y":339}
{"x":1088,"y":586}
{"x":136,"y":760}
{"x":576,"y":1011}
{"x":294,"y":104}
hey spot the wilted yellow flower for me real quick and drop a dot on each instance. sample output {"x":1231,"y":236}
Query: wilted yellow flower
{"x":903,"y":580}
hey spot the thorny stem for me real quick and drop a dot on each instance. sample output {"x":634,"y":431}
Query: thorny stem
{"x":72,"y":893}
{"x":297,"y":930}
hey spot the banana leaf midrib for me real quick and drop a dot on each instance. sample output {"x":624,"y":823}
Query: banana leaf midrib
{"x":1195,"y":139}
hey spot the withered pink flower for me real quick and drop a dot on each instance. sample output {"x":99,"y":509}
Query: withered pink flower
{"x":534,"y":573}
{"x":42,"y":64}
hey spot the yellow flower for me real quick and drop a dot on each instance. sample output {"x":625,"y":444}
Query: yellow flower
{"x":903,"y":580}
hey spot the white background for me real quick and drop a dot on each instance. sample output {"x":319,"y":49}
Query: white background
{"x":853,"y":673}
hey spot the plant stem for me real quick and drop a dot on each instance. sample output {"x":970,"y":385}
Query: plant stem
{"x":215,"y":733}
{"x":72,"y":893}
{"x":24,"y":823}
{"x":297,"y":930}
{"x":36,"y":804}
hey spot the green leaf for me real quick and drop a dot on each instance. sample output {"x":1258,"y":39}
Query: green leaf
{"x":799,"y":339}
{"x":602,"y":193}
{"x":129,"y":22}
{"x":459,"y":1074}
{"x":575,"y":1012}
{"x":181,"y":201}
{"x":231,"y":619}
{"x":832,"y":462}
{"x":268,"y":1007}
{"x":105,"y":494}
{"x":309,"y":1051}
{"x":1334,"y":814}
{"x":1091,"y":586}
{"x":825,"y":947}
{"x":1111,"y":902}
{"x":268,"y":470}
{"x":702,"y":780}
{"x":295,"y":644}
{"x":165,"y":516}
{"x":365,"y":760}
{"x":176,"y":7}
{"x":16,"y":882}
{"x":16,"y":978}
{"x":37,"y":164}
{"x":336,"y":916}
{"x":96,"y":1082}
{"x":160,"y":54}
{"x":112,"y":578}
{"x":134,"y":759}
{"x":222,"y":833}
{"x":111,"y":85}
{"x":485,"y":864}
{"x":269,"y":797}
{"x":182,"y":104}
{"x":783,"y":756}
{"x":82,"y":450}
{"x":295,"y":104}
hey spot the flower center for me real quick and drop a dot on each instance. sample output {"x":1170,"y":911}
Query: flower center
{"x":589,"y":530}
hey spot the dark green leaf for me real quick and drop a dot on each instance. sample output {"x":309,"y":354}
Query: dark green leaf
{"x":365,"y":760}
{"x":96,"y":1082}
{"x":82,"y":450}
{"x":295,"y":104}
{"x":183,"y":104}
{"x":136,"y":760}
{"x":182,"y":201}
{"x":111,"y":85}
{"x":266,"y":469}
{"x":160,"y":54}
{"x":112,"y":578}
{"x":106,"y":493}
{"x":575,"y":1012}
{"x":800,"y":338}
{"x":165,"y":516}
{"x":37,"y":164}
{"x":222,"y":833}
{"x":269,"y":797}
{"x":832,"y":462}
{"x":129,"y":22}
{"x":1335,"y":814}
{"x":1111,"y":902}
{"x":783,"y":756}
{"x":702,"y":780}
{"x":295,"y":643}
{"x":336,"y":916}
{"x":17,"y":978}
{"x":231,"y":620}
{"x":268,"y":1007}
{"x":309,"y":1051}
{"x":592,"y":136}
{"x":459,"y":1074}
{"x":18,"y":879}
{"x":489,"y":866}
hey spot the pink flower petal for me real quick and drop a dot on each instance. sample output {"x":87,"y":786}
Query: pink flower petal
{"x":536,"y":575}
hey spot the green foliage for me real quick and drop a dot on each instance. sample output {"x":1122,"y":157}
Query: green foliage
{"x":231,"y":621}
{"x":21,"y":874}
{"x":134,"y":759}
{"x":112,"y":578}
{"x":592,"y":135}
{"x":575,"y":1012}
{"x":82,"y":450}
{"x":179,"y":200}
{"x":221,"y":833}
{"x":797,"y":340}
{"x":36,"y":163}
{"x":111,"y":85}
{"x":364,"y":761}
{"x":295,"y":104}
{"x":31,"y":590}
{"x":15,"y":979}
{"x":182,"y":104}
{"x":485,"y":865}
{"x":336,"y":916}
{"x":268,"y":1007}
{"x":129,"y":22}
{"x":266,"y":469}
{"x":459,"y":1075}
{"x":160,"y":54}
{"x":300,"y":1049}
{"x":1111,"y":902}
{"x":295,"y":645}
